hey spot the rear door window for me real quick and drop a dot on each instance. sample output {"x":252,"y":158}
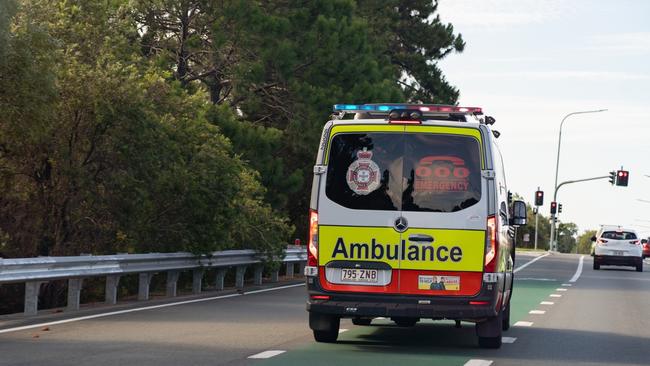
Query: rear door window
{"x":409,"y":172}
{"x":624,"y":235}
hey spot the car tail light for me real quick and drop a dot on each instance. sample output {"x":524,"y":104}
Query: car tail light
{"x":601,"y":241}
{"x":636,"y":242}
{"x":312,"y":254}
{"x":319,"y":297}
{"x":491,"y":246}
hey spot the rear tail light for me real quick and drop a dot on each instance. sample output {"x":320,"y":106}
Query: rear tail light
{"x":491,"y":246}
{"x":478,"y":303}
{"x":636,"y":242}
{"x":319,"y":297}
{"x":601,"y":241}
{"x":312,"y":253}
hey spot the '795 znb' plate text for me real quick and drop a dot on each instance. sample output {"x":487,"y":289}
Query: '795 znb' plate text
{"x":359,"y":275}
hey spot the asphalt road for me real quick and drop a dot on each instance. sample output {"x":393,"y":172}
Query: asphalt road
{"x":603,"y":318}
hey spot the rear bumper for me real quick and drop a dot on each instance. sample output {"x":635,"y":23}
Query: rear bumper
{"x":348,"y":305}
{"x":617,"y":260}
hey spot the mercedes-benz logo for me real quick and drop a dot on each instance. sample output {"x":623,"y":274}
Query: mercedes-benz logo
{"x":401,"y":224}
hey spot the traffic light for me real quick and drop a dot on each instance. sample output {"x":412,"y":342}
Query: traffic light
{"x":622,"y":177}
{"x":612,"y":177}
{"x":553,"y":208}
{"x":539,"y":198}
{"x":559,"y":208}
{"x":509,"y":197}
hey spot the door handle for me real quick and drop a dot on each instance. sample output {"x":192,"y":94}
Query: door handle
{"x":421,"y":238}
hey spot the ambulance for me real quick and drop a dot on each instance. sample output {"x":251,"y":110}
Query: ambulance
{"x":410,"y":219}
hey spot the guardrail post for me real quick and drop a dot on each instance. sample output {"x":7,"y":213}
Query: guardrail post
{"x":239,"y":277}
{"x":172,"y":283}
{"x":257,"y":278}
{"x":110,"y":293}
{"x":143,"y":285}
{"x":31,"y":297}
{"x":197,"y":280}
{"x":219,"y":278}
{"x":74,"y":293}
{"x":290,"y":269}
{"x":275,"y":275}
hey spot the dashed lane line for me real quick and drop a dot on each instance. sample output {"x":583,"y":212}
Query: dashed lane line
{"x":578,"y":270}
{"x":342,"y":331}
{"x":476,"y":362}
{"x":530,"y":262}
{"x":547,"y":303}
{"x":120,"y":312}
{"x":508,"y":339}
{"x":555,"y":295}
{"x":522,"y":323}
{"x":567,"y":285}
{"x":561,"y":289}
{"x":537,"y":312}
{"x":267,"y":354}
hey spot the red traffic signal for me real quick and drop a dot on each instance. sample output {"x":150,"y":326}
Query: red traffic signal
{"x":539,"y":198}
{"x":622,"y":177}
{"x":553,"y":208}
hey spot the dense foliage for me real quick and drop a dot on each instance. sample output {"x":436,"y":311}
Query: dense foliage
{"x":161,"y":125}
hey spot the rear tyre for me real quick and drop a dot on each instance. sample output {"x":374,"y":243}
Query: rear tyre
{"x":325,"y":327}
{"x":596,"y":265}
{"x":639,"y":266}
{"x":489,"y":342}
{"x":361,"y":321}
{"x":326,"y":336}
{"x":405,"y":322}
{"x":489,"y":332}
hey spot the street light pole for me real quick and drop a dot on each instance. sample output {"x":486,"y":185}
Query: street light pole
{"x":551,"y":245}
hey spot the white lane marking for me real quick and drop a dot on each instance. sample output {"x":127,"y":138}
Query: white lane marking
{"x":546,"y":303}
{"x":561,"y":289}
{"x":537,"y":312}
{"x":508,"y":339}
{"x":523,"y":324}
{"x":567,"y":285}
{"x":579,"y":270}
{"x":267,"y":354}
{"x":342,"y":331}
{"x":476,"y":362}
{"x":152,"y":307}
{"x":273,"y":289}
{"x":530,"y":262}
{"x":534,"y":279}
{"x":555,"y":295}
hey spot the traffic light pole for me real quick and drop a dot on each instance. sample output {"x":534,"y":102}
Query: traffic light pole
{"x":557,"y":167}
{"x":552,"y":242}
{"x":536,"y":222}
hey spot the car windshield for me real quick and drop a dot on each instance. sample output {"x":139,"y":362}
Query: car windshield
{"x":616,"y":235}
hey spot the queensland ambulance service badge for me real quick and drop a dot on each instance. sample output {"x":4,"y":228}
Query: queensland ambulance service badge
{"x":363,"y":173}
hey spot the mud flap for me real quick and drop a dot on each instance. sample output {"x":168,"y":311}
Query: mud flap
{"x":492,"y":327}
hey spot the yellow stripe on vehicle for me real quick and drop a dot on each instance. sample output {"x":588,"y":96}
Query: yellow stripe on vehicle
{"x":451,"y":250}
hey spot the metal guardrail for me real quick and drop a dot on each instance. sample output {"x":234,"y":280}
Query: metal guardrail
{"x":36,"y":271}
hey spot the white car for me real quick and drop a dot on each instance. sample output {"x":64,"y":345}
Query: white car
{"x":615,"y":245}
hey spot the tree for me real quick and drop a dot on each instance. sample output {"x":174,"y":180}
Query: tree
{"x":566,"y":241}
{"x":414,"y":39}
{"x":584,"y":241}
{"x":102,"y":152}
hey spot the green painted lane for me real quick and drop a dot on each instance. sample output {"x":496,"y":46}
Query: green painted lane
{"x":428,"y":343}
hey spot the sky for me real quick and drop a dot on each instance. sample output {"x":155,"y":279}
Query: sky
{"x":529,"y":63}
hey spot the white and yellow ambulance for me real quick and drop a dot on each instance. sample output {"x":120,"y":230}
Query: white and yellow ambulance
{"x":410,"y":219}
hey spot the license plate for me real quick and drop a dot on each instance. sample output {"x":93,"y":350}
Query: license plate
{"x":359,"y":275}
{"x":619,"y":252}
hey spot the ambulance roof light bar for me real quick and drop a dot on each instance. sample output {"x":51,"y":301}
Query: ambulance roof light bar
{"x":426,"y":109}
